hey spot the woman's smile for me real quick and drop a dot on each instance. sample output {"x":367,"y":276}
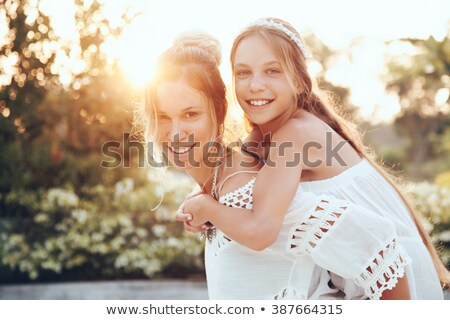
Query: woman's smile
{"x":185,"y":125}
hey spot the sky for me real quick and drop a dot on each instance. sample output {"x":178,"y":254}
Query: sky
{"x":339,"y":24}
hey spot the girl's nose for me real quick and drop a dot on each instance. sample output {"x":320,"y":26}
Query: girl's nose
{"x":257,"y":84}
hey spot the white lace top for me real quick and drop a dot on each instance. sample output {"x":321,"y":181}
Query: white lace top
{"x":348,"y":237}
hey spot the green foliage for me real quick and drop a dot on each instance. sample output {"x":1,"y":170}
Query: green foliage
{"x":100,"y":233}
{"x":21,"y":100}
{"x":443,"y":179}
{"x":422,"y":83}
{"x":52,"y":128}
{"x":433,"y":201}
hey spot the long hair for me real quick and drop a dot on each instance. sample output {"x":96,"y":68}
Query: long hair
{"x":315,"y":102}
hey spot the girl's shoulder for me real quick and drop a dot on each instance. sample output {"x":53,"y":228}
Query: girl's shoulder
{"x":303,"y":128}
{"x":237,"y":161}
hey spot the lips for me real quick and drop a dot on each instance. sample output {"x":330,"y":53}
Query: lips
{"x":258,"y":103}
{"x":181,"y":150}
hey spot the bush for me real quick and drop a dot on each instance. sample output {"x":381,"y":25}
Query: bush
{"x":433,"y":201}
{"x":443,"y":179}
{"x":112,"y":233}
{"x":100,"y":232}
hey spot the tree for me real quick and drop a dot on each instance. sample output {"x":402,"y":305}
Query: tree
{"x":52,"y":132}
{"x":324,"y":55}
{"x":24,"y":90}
{"x":422,"y":84}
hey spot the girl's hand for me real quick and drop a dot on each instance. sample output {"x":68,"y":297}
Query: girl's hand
{"x":197,"y":191}
{"x":185,"y":218}
{"x":196,"y":207}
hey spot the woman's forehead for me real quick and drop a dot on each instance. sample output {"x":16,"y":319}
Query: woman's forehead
{"x":178,"y":95}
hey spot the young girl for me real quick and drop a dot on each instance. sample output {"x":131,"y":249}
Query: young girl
{"x":355,"y":249}
{"x":185,"y":109}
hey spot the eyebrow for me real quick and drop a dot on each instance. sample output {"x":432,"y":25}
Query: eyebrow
{"x":265,"y":64}
{"x":185,"y":109}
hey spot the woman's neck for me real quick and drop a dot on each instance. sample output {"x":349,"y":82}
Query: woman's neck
{"x":203,"y":176}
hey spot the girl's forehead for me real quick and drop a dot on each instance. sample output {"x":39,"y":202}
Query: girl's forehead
{"x":254,"y":48}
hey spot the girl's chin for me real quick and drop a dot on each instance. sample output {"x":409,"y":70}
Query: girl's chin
{"x":259,"y":120}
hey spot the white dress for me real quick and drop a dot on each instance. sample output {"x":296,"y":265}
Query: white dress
{"x":348,"y":237}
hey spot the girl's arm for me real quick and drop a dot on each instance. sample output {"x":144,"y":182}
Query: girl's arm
{"x":274,"y":190}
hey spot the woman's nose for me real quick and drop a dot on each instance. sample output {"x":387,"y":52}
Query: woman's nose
{"x":177,"y":132}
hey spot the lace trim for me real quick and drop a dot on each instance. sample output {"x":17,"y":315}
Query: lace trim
{"x":220,"y":242}
{"x":305,"y":236}
{"x":384,"y":270}
{"x":240,"y":198}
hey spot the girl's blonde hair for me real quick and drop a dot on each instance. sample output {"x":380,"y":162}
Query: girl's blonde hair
{"x":308,"y":97}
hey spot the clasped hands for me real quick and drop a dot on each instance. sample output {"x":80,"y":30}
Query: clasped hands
{"x":192,"y":212}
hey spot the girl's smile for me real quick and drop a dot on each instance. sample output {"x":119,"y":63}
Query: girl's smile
{"x":259,"y":103}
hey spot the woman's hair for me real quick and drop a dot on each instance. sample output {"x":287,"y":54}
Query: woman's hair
{"x":311,"y":99}
{"x":193,"y":58}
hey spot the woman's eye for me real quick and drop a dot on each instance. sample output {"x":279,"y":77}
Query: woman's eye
{"x":162,"y":117}
{"x":191,"y":114}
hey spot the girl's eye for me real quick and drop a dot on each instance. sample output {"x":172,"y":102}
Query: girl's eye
{"x":191,"y":114}
{"x":273,"y":71}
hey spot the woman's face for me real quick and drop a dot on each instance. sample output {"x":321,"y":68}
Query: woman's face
{"x":185,"y":124}
{"x":261,"y":83}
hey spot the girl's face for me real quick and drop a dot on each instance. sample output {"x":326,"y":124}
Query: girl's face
{"x":184,"y":123}
{"x":261,"y":83}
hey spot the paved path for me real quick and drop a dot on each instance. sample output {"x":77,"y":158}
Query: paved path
{"x":111,"y":290}
{"x":108,"y":290}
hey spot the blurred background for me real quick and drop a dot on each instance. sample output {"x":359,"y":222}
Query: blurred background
{"x":71,"y":76}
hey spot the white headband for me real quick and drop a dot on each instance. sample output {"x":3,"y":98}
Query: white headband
{"x":289,"y":33}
